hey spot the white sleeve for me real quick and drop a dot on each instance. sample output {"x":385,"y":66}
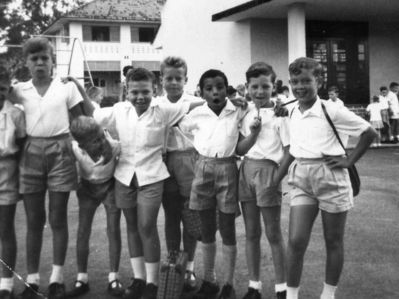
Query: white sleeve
{"x":284,"y":131}
{"x":74,"y":96}
{"x":173,"y":113}
{"x":105,"y":117}
{"x":349,"y":123}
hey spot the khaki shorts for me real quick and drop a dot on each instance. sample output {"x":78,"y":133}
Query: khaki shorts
{"x":312,"y":182}
{"x":215,"y":185}
{"x":92,"y":195}
{"x":180,"y":165}
{"x":127,"y":197}
{"x":47,"y":163}
{"x":8,"y":181}
{"x":255,"y":183}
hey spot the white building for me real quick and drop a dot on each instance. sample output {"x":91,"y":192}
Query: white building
{"x":113,"y":34}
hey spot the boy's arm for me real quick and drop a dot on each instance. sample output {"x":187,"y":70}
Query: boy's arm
{"x":284,"y":165}
{"x":245,"y":143}
{"x":194,"y":104}
{"x":86,"y":106}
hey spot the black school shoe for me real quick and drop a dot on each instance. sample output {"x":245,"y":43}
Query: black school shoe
{"x":56,"y":291}
{"x":227,"y":292}
{"x":5,"y":294}
{"x":252,"y":294}
{"x":190,"y":281}
{"x":79,"y":289}
{"x":135,"y":290}
{"x":150,"y":291}
{"x":30,"y":292}
{"x":281,"y":295}
{"x":208,"y":290}
{"x":115,"y":288}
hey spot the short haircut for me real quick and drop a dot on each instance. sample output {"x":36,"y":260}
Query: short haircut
{"x":306,"y":63}
{"x":260,"y":68}
{"x":212,"y":73}
{"x":174,"y":62}
{"x":231,"y":90}
{"x":126,"y":69}
{"x":285,"y":88}
{"x":376,"y":98}
{"x":333,"y":89}
{"x":83,"y":128}
{"x":393,"y":85}
{"x":140,"y":74}
{"x":93,"y":91}
{"x":5,"y":75}
{"x":37,"y":44}
{"x":383,"y":88}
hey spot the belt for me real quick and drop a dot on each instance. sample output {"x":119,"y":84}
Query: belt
{"x":56,"y":137}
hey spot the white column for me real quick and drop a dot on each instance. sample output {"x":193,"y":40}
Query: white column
{"x":296,"y":31}
{"x":126,"y":47}
{"x":77,"y":63}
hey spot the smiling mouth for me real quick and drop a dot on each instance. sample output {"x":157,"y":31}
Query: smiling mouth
{"x":216,"y":101}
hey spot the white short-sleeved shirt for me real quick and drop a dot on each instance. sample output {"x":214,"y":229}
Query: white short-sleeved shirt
{"x":384,"y":102}
{"x":336,"y":102}
{"x":142,"y":138}
{"x":393,"y":104}
{"x":48,"y":115}
{"x":176,"y":139}
{"x":375,"y":111}
{"x":97,"y":172}
{"x":311,"y":136}
{"x":214,"y":136}
{"x":12,"y":126}
{"x":273,"y":136}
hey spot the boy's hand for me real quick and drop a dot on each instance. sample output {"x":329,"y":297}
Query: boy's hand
{"x":256,"y":125}
{"x":240,"y":102}
{"x":337,"y":162}
{"x":67,"y":79}
{"x":280,"y":110}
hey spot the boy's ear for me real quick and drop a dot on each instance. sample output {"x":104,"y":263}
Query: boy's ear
{"x":185,"y":81}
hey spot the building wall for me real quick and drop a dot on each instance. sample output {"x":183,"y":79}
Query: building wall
{"x":187,"y":31}
{"x":269,"y":43}
{"x":383,"y":53}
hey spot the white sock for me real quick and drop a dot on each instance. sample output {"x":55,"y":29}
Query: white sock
{"x":7,"y":283}
{"x":138,"y":267}
{"x":33,"y":278}
{"x":113,"y":276}
{"x":57,"y":274}
{"x":280,"y":287}
{"x":152,"y":270}
{"x":83,"y":277}
{"x":292,"y":293}
{"x":328,"y":291}
{"x":190,"y":266}
{"x":257,"y":285}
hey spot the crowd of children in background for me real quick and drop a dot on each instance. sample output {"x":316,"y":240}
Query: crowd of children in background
{"x":178,"y":151}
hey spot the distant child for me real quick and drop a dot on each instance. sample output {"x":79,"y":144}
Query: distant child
{"x":318,"y":178}
{"x":333,"y":93}
{"x":374,"y":112}
{"x":12,"y":135}
{"x":123,"y":93}
{"x":215,"y":126}
{"x":97,"y":154}
{"x":384,"y":103}
{"x":96,"y":95}
{"x":263,"y":140}
{"x":142,"y":126}
{"x":393,"y":103}
{"x":231,"y":92}
{"x":180,"y":160}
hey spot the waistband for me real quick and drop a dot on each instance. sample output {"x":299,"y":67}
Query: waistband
{"x":184,"y":152}
{"x":309,"y":160}
{"x":57,"y":137}
{"x":263,"y":161}
{"x":231,"y":159}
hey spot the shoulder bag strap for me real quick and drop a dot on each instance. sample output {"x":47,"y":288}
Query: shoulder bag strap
{"x":333,"y":127}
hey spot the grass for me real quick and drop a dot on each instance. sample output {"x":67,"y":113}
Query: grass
{"x":371,"y":268}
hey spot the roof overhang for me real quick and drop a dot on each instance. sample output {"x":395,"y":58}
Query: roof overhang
{"x":329,"y":10}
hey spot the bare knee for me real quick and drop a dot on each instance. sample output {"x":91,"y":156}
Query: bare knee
{"x":274,"y":236}
{"x":253,"y":234}
{"x":36,"y":221}
{"x":334,"y":242}
{"x":147,"y":229}
{"x":298,"y":244}
{"x":57,"y":221}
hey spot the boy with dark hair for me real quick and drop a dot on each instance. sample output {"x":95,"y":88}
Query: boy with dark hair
{"x":384,"y":103}
{"x":318,"y":177}
{"x":125,"y":70}
{"x":215,"y":129}
{"x":12,"y":135}
{"x":263,"y":140}
{"x":333,"y":93}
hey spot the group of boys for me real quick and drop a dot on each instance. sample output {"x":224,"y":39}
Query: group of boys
{"x":389,"y":106}
{"x":179,"y":151}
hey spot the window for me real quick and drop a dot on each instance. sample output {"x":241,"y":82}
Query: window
{"x":101,"y":33}
{"x":147,"y":34}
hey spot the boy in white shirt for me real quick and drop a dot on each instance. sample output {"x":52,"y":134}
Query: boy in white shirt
{"x":374,"y":112}
{"x":263,"y":146}
{"x":393,"y":103}
{"x":318,"y":178}
{"x":384,"y":103}
{"x":215,"y":126}
{"x":333,"y":93}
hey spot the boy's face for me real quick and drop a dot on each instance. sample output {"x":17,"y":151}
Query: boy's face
{"x":395,"y":89}
{"x":4,"y":90}
{"x":40,"y":64}
{"x":140,"y":94}
{"x":214,"y":92}
{"x":173,"y":81}
{"x":305,"y":85}
{"x":332,"y":95}
{"x":384,"y":92}
{"x":260,"y":89}
{"x":96,"y":145}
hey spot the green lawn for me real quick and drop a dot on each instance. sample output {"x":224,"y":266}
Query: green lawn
{"x":371,"y":268}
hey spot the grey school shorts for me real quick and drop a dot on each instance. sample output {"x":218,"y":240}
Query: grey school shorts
{"x":8,"y":181}
{"x":180,"y":165}
{"x":256,"y":183}
{"x":91,"y":195}
{"x":215,"y":185}
{"x":312,"y":182}
{"x":47,"y":163}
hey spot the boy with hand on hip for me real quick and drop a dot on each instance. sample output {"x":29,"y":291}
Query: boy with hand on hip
{"x":318,"y":177}
{"x":12,"y":135}
{"x":215,"y":127}
{"x":263,"y":143}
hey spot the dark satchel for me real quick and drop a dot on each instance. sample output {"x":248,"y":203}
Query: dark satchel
{"x":353,"y":175}
{"x":171,"y":276}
